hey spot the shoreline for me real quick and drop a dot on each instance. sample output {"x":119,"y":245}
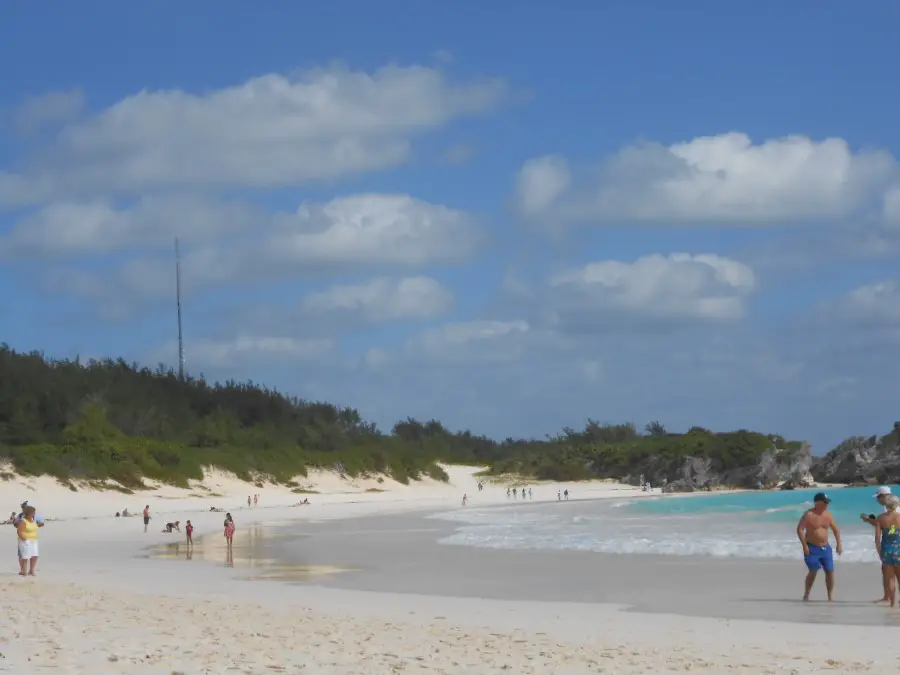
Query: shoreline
{"x":102,"y":602}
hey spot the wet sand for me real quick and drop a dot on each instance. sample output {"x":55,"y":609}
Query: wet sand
{"x":401,"y":554}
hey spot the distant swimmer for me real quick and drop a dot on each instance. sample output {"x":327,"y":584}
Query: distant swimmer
{"x":812,"y":531}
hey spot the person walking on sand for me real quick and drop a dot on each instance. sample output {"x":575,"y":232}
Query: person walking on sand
{"x":146,"y":517}
{"x":229,"y":530}
{"x":888,"y":582}
{"x":812,"y":531}
{"x":887,"y":542}
{"x":465,"y":499}
{"x":27,"y":531}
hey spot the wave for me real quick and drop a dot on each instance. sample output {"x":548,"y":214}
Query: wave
{"x":857,"y":548}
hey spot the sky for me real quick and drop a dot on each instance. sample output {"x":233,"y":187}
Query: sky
{"x":511,"y":217}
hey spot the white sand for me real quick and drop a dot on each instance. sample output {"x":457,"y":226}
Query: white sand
{"x":95,"y":607}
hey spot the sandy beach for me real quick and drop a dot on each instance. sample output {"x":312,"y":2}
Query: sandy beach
{"x":366,"y":589}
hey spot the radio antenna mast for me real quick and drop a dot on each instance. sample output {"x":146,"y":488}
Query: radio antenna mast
{"x":178,"y":301}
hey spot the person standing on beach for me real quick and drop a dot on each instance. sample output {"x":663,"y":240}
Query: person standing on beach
{"x":812,"y":531}
{"x":888,"y":581}
{"x":189,"y":532}
{"x":887,"y":542}
{"x":146,"y":517}
{"x":27,"y":531}
{"x":229,"y":530}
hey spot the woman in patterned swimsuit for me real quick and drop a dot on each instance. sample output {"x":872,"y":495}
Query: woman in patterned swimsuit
{"x":887,"y":539}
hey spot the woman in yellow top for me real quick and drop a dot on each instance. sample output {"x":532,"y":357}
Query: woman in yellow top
{"x":28,"y":542}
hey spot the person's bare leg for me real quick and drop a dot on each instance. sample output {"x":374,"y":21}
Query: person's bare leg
{"x":895,"y":577}
{"x":887,"y":582}
{"x":892,"y":576}
{"x":810,"y":580}
{"x":23,"y":566}
{"x":829,"y":585}
{"x":32,"y":567}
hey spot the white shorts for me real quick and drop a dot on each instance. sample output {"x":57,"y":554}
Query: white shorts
{"x":28,"y":549}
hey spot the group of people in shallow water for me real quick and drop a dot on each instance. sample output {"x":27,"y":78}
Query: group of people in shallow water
{"x":515,"y":493}
{"x":813,"y":532}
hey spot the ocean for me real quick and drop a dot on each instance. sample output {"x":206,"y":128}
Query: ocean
{"x":742,"y":525}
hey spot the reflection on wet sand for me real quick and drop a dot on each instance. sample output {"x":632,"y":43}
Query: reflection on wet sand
{"x":245,"y":552}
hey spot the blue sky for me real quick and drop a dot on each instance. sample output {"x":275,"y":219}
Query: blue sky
{"x":507,"y":216}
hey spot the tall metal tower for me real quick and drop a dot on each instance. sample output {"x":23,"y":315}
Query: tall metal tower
{"x":178,"y":300}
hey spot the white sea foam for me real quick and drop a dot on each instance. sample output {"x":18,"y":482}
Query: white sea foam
{"x":610,"y":530}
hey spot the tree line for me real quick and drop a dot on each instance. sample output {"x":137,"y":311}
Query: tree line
{"x":113,"y":420}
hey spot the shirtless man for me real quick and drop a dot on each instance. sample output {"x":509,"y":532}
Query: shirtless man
{"x":812,"y":531}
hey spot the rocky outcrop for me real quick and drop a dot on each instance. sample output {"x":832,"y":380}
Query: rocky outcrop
{"x":773,"y":468}
{"x":862,"y":460}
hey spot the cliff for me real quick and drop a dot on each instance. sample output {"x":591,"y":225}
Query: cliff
{"x":775,"y":467}
{"x":862,"y":459}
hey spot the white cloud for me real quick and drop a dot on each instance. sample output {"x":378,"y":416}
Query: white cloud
{"x":51,"y":107}
{"x":248,"y":350}
{"x":875,"y":304}
{"x":481,"y":341}
{"x":268,"y":132}
{"x":99,"y":226}
{"x":383,"y":299}
{"x":346,"y":234}
{"x":723,"y":179}
{"x":540,"y":182}
{"x":653,"y":288}
{"x":892,"y":206}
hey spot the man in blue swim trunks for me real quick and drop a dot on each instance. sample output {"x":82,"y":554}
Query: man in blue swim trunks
{"x":812,"y":531}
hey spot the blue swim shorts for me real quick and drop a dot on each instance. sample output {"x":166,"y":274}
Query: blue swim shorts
{"x":819,"y":558}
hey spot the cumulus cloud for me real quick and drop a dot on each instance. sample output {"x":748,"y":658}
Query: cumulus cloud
{"x":876,"y":304}
{"x":892,"y":207}
{"x":270,"y":131}
{"x":248,"y":350}
{"x":653,"y":288}
{"x":481,"y":341}
{"x":351,"y":233}
{"x":98,"y":226}
{"x":382,"y":300}
{"x":725,"y":179}
{"x":48,"y":108}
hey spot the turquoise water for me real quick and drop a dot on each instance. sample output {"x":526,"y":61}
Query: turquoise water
{"x":846,"y":504}
{"x":744,"y":525}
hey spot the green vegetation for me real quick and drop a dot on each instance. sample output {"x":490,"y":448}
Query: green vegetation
{"x":618,"y":450}
{"x":111,"y":420}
